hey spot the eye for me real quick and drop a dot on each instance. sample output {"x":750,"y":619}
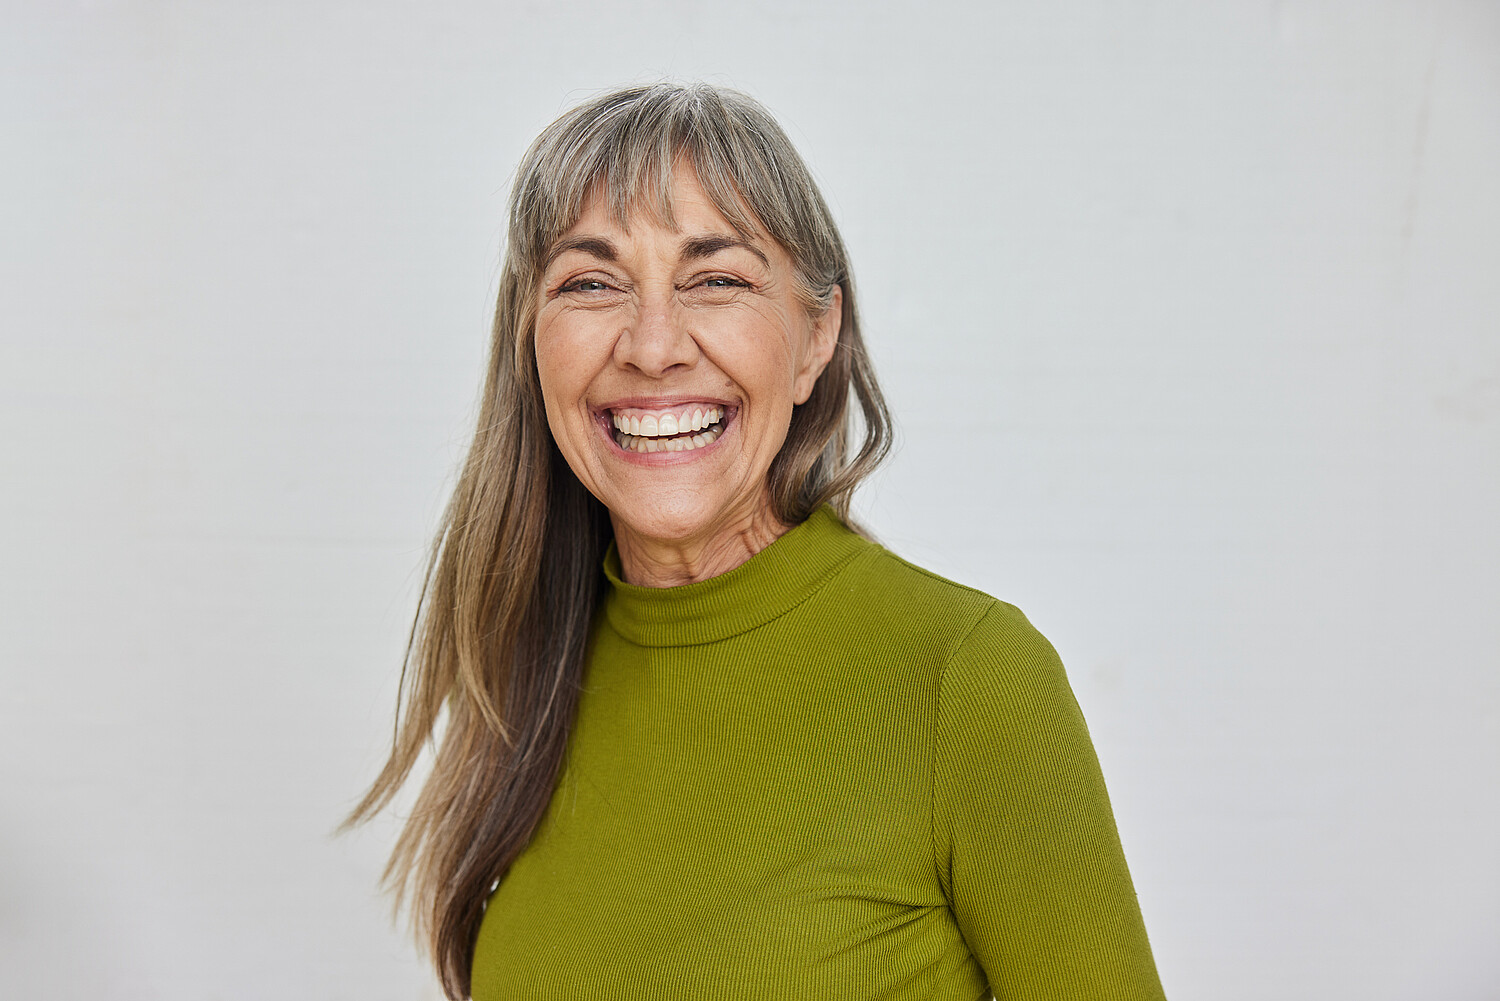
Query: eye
{"x":584,"y":285}
{"x":714,"y":289}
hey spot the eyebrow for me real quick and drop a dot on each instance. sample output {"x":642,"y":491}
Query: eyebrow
{"x":693,"y":248}
{"x":597,"y":246}
{"x":706,"y":246}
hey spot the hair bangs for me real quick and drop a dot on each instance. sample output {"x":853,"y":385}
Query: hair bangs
{"x":627,"y":153}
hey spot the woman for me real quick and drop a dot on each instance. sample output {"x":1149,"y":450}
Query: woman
{"x":703,"y":740}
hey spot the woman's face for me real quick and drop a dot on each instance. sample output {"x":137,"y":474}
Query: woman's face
{"x":670,"y":360}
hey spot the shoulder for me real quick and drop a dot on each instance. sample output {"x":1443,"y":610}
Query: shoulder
{"x":1005,"y":689}
{"x":966,"y":627}
{"x":1005,"y":713}
{"x":956,"y":643}
{"x":994,"y":670}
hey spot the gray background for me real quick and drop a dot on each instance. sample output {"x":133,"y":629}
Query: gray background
{"x":1189,"y":311}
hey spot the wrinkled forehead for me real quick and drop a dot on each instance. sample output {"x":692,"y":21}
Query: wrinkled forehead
{"x":645,"y":192}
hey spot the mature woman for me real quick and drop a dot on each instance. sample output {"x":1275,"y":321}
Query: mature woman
{"x":702,"y":739}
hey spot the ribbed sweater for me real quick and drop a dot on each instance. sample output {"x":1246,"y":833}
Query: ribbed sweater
{"x":825,"y":774}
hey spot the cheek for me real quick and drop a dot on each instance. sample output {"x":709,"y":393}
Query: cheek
{"x":561,"y":367}
{"x":560,"y":392}
{"x":761,"y":356}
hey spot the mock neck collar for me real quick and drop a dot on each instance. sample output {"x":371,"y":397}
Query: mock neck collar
{"x":769,"y":584}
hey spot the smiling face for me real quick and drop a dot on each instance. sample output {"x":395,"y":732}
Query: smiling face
{"x":670,"y":360}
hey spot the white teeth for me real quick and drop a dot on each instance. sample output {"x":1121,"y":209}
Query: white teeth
{"x":683,"y":443}
{"x":667,"y":432}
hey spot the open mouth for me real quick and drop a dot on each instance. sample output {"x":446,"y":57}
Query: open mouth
{"x":679,"y":430}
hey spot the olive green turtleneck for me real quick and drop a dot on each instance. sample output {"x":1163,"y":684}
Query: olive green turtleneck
{"x":826,"y":774}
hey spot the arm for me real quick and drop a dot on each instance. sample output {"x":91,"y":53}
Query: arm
{"x":1023,"y":833}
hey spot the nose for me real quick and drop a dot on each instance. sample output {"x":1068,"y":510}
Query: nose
{"x":657,"y":340}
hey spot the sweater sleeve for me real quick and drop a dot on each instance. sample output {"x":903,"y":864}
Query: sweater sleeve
{"x":1025,"y":841}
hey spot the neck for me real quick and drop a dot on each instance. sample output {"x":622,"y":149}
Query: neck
{"x":651,"y":562}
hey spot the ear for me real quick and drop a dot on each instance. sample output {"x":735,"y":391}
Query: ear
{"x":823,"y":338}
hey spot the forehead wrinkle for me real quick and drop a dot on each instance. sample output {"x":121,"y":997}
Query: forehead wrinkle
{"x":644,"y":189}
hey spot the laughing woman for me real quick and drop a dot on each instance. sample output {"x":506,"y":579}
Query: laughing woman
{"x":699,"y":738}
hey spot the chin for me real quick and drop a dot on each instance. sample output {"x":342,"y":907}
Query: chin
{"x":670,"y":523}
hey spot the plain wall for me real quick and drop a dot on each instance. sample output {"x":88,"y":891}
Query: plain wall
{"x":1189,"y":312}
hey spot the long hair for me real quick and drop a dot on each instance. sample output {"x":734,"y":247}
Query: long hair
{"x":498,"y":646}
